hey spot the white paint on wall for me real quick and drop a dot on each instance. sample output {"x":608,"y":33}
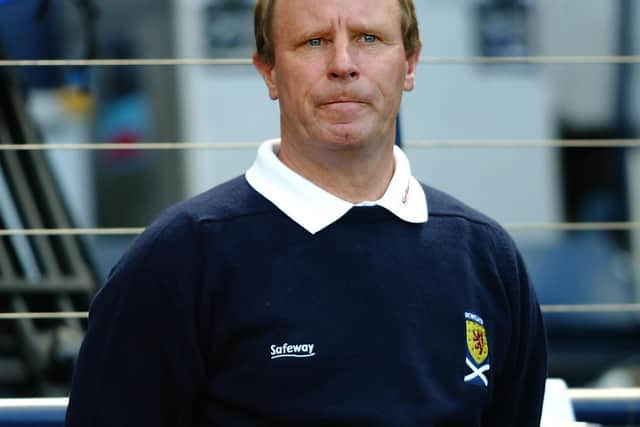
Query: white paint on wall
{"x":481,"y":102}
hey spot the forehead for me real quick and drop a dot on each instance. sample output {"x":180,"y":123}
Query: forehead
{"x":298,"y":15}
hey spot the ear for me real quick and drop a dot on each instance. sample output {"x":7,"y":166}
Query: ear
{"x":268,"y":73}
{"x":412,"y":65}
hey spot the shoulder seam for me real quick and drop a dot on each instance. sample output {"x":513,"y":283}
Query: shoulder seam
{"x":480,"y":221}
{"x":213,"y":219}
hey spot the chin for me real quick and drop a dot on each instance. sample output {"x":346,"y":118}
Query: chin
{"x":346,"y":136}
{"x":342,"y":141}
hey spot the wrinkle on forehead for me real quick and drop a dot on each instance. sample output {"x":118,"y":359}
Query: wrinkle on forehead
{"x":325,"y":16}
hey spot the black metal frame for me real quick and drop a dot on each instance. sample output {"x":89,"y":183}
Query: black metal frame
{"x":36,"y":356}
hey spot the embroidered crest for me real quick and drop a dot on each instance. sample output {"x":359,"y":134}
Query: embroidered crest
{"x":477,"y":342}
{"x":477,"y":350}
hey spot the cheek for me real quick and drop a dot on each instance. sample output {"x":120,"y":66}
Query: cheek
{"x":390,"y":90}
{"x":295,"y":100}
{"x":298,"y":86}
{"x":397,"y":77}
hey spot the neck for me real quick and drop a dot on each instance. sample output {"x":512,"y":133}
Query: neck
{"x":354,"y":174}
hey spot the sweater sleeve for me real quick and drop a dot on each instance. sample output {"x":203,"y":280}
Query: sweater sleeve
{"x":519,"y":388}
{"x":141,"y":362}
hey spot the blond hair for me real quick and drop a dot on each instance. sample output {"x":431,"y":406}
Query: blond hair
{"x":263,"y":23}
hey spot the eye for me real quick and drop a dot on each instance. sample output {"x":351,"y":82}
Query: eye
{"x":369,"y":38}
{"x":315,"y":42}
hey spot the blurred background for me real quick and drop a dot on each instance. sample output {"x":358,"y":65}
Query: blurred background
{"x":492,"y":113}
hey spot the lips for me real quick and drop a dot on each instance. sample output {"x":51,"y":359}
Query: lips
{"x":343,"y":108}
{"x":343,"y":101}
{"x":343,"y":105}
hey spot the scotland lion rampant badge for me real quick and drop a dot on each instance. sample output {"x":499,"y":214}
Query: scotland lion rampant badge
{"x":477,"y":359}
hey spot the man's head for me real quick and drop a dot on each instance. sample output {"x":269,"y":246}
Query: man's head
{"x":263,"y":25}
{"x":338,"y":69}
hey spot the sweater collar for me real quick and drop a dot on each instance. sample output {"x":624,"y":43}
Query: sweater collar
{"x":313,"y":208}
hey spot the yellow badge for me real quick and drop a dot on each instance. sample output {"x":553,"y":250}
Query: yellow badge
{"x":477,"y":341}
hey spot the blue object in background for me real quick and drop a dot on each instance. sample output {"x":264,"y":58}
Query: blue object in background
{"x":22,"y":36}
{"x":504,"y":28}
{"x":33,"y":412}
{"x":398,"y":132}
{"x":51,"y":412}
{"x":583,"y":268}
{"x":612,"y":412}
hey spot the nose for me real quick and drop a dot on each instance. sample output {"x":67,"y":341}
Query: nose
{"x":343,"y":65}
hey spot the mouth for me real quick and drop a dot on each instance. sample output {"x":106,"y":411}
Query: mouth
{"x":343,"y":101}
{"x":343,"y":108}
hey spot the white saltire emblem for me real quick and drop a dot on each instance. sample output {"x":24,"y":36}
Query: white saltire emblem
{"x":477,"y":372}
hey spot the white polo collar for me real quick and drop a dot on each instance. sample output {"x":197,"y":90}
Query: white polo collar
{"x":313,"y":208}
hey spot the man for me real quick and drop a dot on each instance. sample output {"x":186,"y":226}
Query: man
{"x":319,"y":289}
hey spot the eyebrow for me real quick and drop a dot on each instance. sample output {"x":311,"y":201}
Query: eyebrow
{"x":313,"y":33}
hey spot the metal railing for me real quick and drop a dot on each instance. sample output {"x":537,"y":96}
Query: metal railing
{"x":608,"y":407}
{"x":613,"y":407}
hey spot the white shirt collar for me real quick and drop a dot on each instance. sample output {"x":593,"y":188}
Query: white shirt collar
{"x":313,"y":208}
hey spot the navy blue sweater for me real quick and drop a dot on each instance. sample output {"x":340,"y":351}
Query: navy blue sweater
{"x":226,"y":313}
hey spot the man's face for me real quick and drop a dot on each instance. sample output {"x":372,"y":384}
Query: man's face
{"x":340,"y":69}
